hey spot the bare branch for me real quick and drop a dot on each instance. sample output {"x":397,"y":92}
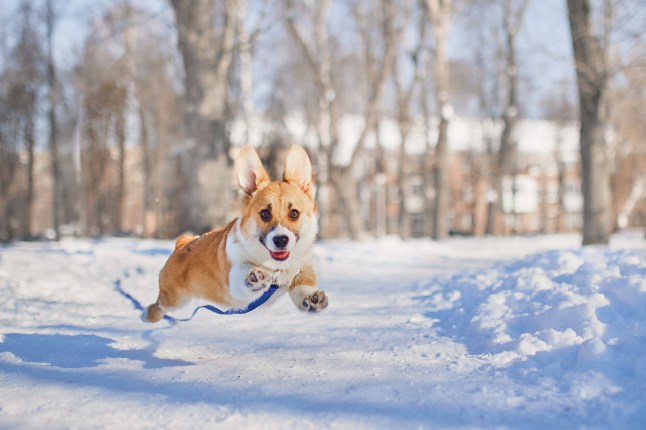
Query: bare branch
{"x":518,"y":16}
{"x":385,"y":69}
{"x":366,"y":39}
{"x":224,"y":56}
{"x":307,"y":51}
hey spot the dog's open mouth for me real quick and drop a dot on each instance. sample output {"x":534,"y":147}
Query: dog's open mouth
{"x":280,"y":255}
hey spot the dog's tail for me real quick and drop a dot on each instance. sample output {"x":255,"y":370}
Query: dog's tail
{"x":153,"y":313}
{"x":184,"y":239}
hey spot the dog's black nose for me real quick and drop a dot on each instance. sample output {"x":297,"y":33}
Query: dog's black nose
{"x":281,"y":241}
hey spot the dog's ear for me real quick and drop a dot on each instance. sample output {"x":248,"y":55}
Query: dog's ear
{"x":298,"y":169}
{"x":251,"y":175}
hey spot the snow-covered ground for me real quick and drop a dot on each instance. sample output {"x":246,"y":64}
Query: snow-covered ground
{"x":531,"y":332}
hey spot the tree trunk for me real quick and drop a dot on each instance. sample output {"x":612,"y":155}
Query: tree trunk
{"x":560,"y":216}
{"x":429,"y":188}
{"x":492,"y":193}
{"x":206,"y":58}
{"x":441,"y":182}
{"x":120,"y":131}
{"x":318,"y":58}
{"x":503,"y":164}
{"x":53,"y":130}
{"x":147,"y":164}
{"x":440,"y":14}
{"x":159,"y":172}
{"x":595,"y":179}
{"x":246,"y":81}
{"x":91,"y":181}
{"x":507,"y":153}
{"x":29,"y":198}
{"x":506,"y":159}
{"x":6,"y":176}
{"x":592,"y":75}
{"x":404,"y":117}
{"x":346,"y":189}
{"x":404,"y":173}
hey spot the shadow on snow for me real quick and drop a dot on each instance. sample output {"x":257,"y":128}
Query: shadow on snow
{"x":77,"y":351}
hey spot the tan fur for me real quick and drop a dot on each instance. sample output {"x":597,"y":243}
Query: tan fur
{"x":183,"y":240}
{"x":200,"y":266}
{"x":283,"y":197}
{"x":197,"y":268}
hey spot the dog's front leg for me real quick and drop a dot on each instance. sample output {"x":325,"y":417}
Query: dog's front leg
{"x":304,"y":294}
{"x":240,"y":288}
{"x":246,"y":281}
{"x":258,"y":279}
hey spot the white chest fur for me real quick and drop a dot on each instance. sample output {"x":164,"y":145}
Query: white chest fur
{"x":245,"y":255}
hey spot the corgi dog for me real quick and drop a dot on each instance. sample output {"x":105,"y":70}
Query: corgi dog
{"x":270,"y":243}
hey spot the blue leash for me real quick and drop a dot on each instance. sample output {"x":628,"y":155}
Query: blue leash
{"x":250,"y":307}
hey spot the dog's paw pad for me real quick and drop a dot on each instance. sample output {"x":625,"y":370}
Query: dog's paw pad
{"x":257,"y":280}
{"x":315,"y":302}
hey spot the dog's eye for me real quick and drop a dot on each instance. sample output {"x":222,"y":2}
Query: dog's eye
{"x":294,"y":214}
{"x":265,"y":215}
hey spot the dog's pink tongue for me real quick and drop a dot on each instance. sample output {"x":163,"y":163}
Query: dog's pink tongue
{"x":279,"y":255}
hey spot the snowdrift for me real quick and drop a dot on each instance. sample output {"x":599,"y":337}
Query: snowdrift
{"x":575,"y":318}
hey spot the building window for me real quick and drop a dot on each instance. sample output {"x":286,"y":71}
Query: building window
{"x":467,"y":222}
{"x":393,"y":194}
{"x":574,"y":221}
{"x":573,"y":187}
{"x":552,"y":193}
{"x":534,"y":222}
{"x":417,"y":186}
{"x":467,"y":193}
{"x":417,"y":224}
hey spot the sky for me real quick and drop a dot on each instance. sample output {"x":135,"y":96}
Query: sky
{"x":72,"y":25}
{"x":544,"y":46}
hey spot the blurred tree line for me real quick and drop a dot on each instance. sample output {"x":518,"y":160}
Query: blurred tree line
{"x":171,"y":83}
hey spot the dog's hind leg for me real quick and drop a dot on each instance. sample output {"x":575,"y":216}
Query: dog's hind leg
{"x":168,"y":300}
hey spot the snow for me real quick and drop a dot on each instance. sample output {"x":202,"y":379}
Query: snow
{"x":531,"y":332}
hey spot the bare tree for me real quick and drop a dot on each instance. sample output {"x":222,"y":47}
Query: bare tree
{"x":483,"y":22}
{"x":317,"y":53}
{"x":440,"y":12}
{"x":317,"y":56}
{"x":558,"y":108}
{"x":28,"y":82}
{"x":159,"y":118}
{"x":9,"y":159}
{"x":120,"y":135}
{"x":246,"y":45}
{"x":628,"y":182}
{"x":592,"y":72}
{"x":102,"y":82}
{"x":50,"y":19}
{"x":404,"y":95}
{"x":206,"y":55}
{"x":512,"y":18}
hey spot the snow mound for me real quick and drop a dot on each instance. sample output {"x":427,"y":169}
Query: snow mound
{"x":590,"y":302}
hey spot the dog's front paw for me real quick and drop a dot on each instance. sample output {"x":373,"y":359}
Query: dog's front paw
{"x":315,"y":302}
{"x":257,"y":280}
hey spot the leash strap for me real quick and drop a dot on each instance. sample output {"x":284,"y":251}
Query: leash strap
{"x":266,"y":295}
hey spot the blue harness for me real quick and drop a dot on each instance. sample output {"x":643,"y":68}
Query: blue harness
{"x":250,"y":307}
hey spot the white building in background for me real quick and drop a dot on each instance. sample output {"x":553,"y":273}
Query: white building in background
{"x":544,"y":194}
